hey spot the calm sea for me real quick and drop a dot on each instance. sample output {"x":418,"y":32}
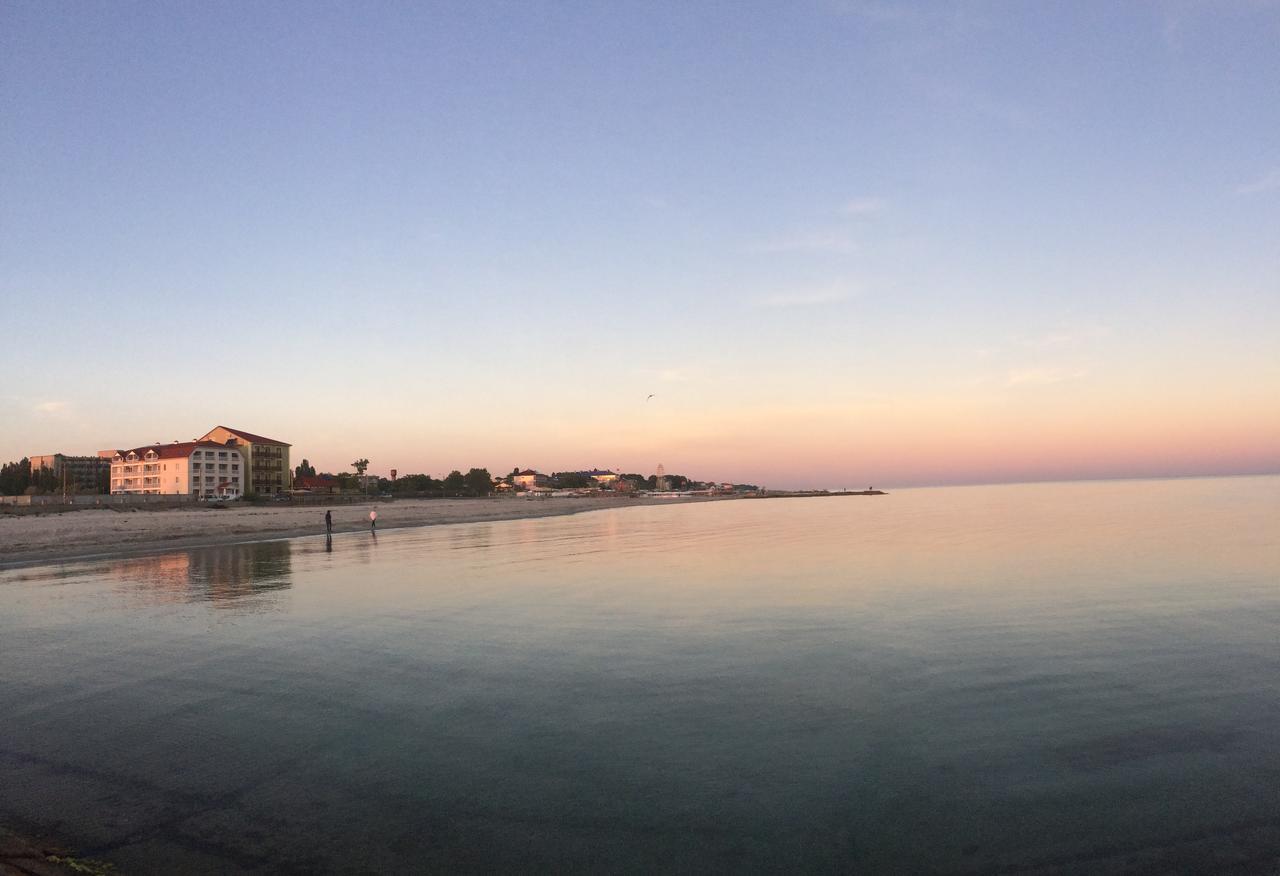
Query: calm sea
{"x":1037,"y":678}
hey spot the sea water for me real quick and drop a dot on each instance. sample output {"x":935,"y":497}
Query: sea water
{"x":1036,"y":678}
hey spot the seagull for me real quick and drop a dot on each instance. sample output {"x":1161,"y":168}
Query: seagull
{"x":649,"y":397}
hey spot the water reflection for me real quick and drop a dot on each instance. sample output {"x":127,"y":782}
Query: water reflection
{"x":224,"y":575}
{"x":1041,"y":678}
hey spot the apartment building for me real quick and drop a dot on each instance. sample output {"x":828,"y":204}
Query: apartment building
{"x":82,"y":473}
{"x":196,"y":468}
{"x":267,"y":459}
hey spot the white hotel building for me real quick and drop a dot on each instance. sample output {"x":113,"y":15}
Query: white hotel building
{"x":194,"y":468}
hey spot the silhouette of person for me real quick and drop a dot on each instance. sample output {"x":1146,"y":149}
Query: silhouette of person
{"x":373,"y":520}
{"x":328,"y":522}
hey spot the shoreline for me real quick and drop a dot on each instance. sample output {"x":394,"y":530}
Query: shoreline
{"x":96,"y":534}
{"x":36,"y":854}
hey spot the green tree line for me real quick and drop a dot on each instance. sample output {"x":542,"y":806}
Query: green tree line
{"x":16,"y":479}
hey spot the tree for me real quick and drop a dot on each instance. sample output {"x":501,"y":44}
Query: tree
{"x":360,"y":465}
{"x":305,"y":470}
{"x":415,"y":484}
{"x":571,"y":480}
{"x":44,"y":481}
{"x":455,"y":482}
{"x":15,"y":477}
{"x":479,"y":482}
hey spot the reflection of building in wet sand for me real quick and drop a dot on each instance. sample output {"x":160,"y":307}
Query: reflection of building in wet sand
{"x":225,"y":575}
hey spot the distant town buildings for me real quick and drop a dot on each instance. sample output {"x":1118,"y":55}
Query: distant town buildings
{"x":223,"y":463}
{"x":322,"y":483}
{"x":196,"y":468}
{"x":267,"y":459}
{"x":227,"y":462}
{"x":78,"y":473}
{"x":530,"y":479}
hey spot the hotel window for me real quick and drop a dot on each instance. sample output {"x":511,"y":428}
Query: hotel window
{"x":222,"y":466}
{"x":222,"y":454}
{"x":235,"y":467}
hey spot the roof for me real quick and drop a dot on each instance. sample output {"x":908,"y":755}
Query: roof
{"x":177,"y":450}
{"x":527,"y":471}
{"x":250,"y":437}
{"x":596,"y":472}
{"x":306,"y":482}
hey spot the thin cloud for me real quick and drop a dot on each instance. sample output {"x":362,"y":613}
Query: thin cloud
{"x":1044,"y":376}
{"x":880,"y":13}
{"x":864,"y":206}
{"x":1183,"y":17}
{"x":1269,"y":181}
{"x":51,"y":407}
{"x":1068,"y":337}
{"x":667,"y":375}
{"x":984,"y":105}
{"x":836,"y":240}
{"x":804,"y":297}
{"x":951,"y":19}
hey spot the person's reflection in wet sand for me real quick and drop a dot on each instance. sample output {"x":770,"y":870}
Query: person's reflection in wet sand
{"x":328,"y":544}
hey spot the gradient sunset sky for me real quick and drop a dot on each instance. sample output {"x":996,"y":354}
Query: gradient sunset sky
{"x":842,"y":243}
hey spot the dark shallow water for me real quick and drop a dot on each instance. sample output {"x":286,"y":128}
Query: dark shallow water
{"x":1080,"y":677}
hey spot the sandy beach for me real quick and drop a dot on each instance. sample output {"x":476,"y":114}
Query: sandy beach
{"x":57,"y":536}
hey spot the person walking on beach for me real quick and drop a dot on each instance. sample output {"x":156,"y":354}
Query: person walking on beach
{"x":328,"y":523}
{"x":373,"y":520}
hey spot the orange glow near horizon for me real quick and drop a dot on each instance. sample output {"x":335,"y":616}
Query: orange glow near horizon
{"x":899,"y":444}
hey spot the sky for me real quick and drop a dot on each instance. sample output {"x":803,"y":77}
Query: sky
{"x":840,"y":242}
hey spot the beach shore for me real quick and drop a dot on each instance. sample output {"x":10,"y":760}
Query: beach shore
{"x":59,"y":536}
{"x":24,"y":856}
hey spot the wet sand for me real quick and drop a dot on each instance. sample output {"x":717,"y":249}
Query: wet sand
{"x":69,"y":535}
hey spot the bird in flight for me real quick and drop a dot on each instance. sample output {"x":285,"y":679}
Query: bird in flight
{"x":649,"y":396}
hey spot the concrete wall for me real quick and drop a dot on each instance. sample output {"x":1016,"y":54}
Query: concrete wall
{"x":92,"y":500}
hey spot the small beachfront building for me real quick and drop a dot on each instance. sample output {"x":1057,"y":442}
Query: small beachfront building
{"x":195,"y":468}
{"x":326,"y":484}
{"x":530,"y":479}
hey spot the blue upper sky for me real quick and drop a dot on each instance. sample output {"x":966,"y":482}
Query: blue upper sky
{"x":434,"y":221}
